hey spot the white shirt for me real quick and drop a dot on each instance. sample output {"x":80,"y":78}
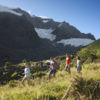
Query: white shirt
{"x":27,"y":72}
{"x":78,"y":63}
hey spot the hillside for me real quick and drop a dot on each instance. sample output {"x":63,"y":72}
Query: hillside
{"x":91,"y":53}
{"x":86,"y":87}
{"x":94,"y":45}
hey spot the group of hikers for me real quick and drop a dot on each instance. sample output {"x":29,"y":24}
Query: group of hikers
{"x":53,"y":67}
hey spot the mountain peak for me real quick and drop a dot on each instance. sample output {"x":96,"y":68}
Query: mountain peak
{"x":4,"y":9}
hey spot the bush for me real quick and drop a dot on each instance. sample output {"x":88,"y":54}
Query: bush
{"x":36,"y":67}
{"x":38,"y":74}
{"x":14,"y":75}
{"x":7,"y":65}
{"x":98,"y":53}
{"x":89,"y":88}
{"x":87,"y":55}
{"x":12,"y":83}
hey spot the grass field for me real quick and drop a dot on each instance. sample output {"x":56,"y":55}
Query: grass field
{"x":43,"y":89}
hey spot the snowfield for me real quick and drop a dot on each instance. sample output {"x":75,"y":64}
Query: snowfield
{"x":76,"y":42}
{"x":9,"y":10}
{"x":45,"y":33}
{"x":45,"y":21}
{"x":43,"y":17}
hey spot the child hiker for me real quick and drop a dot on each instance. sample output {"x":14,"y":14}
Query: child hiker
{"x":27,"y":74}
{"x":79,"y":67}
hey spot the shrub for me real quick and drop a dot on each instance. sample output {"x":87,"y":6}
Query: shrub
{"x":12,"y":83}
{"x":14,"y":75}
{"x":98,"y":53}
{"x":89,"y":88}
{"x":7,"y":63}
{"x":87,"y":55}
{"x":38,"y":74}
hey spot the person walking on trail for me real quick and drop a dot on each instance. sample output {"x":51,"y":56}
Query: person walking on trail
{"x":79,"y":67}
{"x":27,"y":74}
{"x":68,"y":61}
{"x":53,"y":65}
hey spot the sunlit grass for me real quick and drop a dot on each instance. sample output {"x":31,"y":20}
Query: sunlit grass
{"x":43,"y":89}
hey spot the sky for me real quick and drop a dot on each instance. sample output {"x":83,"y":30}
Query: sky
{"x":83,"y":14}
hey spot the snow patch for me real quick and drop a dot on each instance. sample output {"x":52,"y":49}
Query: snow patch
{"x":9,"y":10}
{"x":45,"y":21}
{"x":29,"y":12}
{"x":76,"y":42}
{"x":45,"y":33}
{"x":43,"y":17}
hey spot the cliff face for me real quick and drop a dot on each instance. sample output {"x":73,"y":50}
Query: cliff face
{"x":19,"y":40}
{"x":17,"y":35}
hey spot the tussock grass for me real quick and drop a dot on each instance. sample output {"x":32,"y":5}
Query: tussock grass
{"x":43,"y":89}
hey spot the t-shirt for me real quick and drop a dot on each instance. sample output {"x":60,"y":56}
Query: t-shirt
{"x":78,"y":63}
{"x":68,"y":60}
{"x":53,"y":64}
{"x":27,"y":72}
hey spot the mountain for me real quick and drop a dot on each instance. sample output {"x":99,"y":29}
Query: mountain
{"x":18,"y":39}
{"x":64,"y":36}
{"x":17,"y":35}
{"x":35,"y":38}
{"x":62,"y":30}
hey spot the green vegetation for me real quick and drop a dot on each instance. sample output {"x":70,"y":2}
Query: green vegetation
{"x":85,"y":86}
{"x":91,"y":53}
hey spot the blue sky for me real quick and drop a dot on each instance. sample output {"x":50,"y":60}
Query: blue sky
{"x":83,"y":14}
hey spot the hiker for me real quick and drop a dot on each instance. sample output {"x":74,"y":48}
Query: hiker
{"x":79,"y":68}
{"x":68,"y":61}
{"x":53,"y":65}
{"x":27,"y":74}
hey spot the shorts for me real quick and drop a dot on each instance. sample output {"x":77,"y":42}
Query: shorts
{"x":79,"y":68}
{"x":67,"y":68}
{"x":27,"y":76}
{"x":53,"y":71}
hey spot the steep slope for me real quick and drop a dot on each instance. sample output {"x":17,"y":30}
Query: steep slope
{"x":17,"y":35}
{"x":44,"y":23}
{"x":19,"y":40}
{"x":64,"y":36}
{"x":94,"y":45}
{"x":91,"y":53}
{"x":62,"y":30}
{"x":66,"y":31}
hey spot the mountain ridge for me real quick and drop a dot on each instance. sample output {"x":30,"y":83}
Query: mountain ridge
{"x":34,"y":38}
